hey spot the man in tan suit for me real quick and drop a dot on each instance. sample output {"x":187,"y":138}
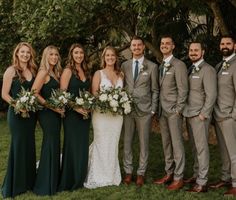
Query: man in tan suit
{"x":225,"y":114}
{"x":141,"y":81}
{"x":201,"y":99}
{"x":173,"y":83}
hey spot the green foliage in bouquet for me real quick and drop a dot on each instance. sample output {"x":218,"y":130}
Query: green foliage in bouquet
{"x":25,"y":103}
{"x":85,"y":100}
{"x":59,"y":99}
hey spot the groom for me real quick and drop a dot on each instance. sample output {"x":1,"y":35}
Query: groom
{"x":141,"y":81}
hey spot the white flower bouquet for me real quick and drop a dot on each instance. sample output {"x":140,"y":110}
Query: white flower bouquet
{"x":85,"y":100}
{"x":25,"y":103}
{"x":59,"y":99}
{"x":114,"y":100}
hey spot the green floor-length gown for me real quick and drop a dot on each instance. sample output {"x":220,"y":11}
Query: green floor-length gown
{"x":76,"y":142}
{"x":48,"y":172}
{"x":21,"y":169}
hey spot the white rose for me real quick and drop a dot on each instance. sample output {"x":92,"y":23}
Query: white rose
{"x":110,"y":97}
{"x":32,"y":100}
{"x":24,"y":99}
{"x":113,"y":103}
{"x":127,"y":108}
{"x":79,"y":101}
{"x":103,"y":97}
{"x":115,"y":96}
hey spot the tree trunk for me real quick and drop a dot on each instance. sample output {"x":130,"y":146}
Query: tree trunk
{"x":156,"y":52}
{"x":233,"y":2}
{"x":218,"y":16}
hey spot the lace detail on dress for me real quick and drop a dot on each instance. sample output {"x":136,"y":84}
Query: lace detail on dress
{"x":106,"y":82}
{"x":103,"y":167}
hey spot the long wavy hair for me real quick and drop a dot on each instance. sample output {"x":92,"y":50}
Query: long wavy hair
{"x":44,"y":64}
{"x":30,"y":65}
{"x":116,"y":65}
{"x":70,"y":63}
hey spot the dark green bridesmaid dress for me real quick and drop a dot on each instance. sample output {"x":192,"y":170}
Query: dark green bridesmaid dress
{"x":21,"y":168}
{"x":48,"y":172}
{"x":76,"y":142}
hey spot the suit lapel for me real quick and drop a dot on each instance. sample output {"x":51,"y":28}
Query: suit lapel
{"x":232,"y":59}
{"x":145,"y":68}
{"x":130,"y":70}
{"x":162,"y":79}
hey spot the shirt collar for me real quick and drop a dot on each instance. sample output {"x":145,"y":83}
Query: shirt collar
{"x":167,"y":60}
{"x":140,"y":60}
{"x":196,"y":64}
{"x":229,"y":57}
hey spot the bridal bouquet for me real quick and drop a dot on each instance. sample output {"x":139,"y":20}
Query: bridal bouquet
{"x":114,"y":100}
{"x":85,"y":100}
{"x":25,"y":103}
{"x":59,"y":99}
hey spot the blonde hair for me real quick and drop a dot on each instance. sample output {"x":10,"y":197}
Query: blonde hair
{"x":44,"y":64}
{"x":31,"y":63}
{"x":116,"y":65}
{"x":71,"y":62}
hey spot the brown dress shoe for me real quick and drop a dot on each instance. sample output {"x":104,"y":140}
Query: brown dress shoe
{"x":128,"y":179}
{"x":219,"y":184}
{"x":190,"y":180}
{"x":176,"y":185}
{"x":166,"y":179}
{"x":140,"y":180}
{"x":231,"y":192}
{"x":198,"y":188}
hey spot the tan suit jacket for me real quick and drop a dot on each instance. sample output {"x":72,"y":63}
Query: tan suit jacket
{"x":225,"y":106}
{"x":202,"y":92}
{"x":173,"y":88}
{"x":145,"y":89}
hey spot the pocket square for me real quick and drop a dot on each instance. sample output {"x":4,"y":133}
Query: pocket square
{"x":145,"y":73}
{"x":195,"y":77}
{"x":225,"y":73}
{"x":168,"y":73}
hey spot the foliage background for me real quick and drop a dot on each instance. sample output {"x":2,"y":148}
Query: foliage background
{"x":97,"y":23}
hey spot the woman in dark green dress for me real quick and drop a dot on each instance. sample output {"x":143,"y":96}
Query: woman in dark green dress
{"x":21,"y":169}
{"x":50,"y":121}
{"x":75,"y":78}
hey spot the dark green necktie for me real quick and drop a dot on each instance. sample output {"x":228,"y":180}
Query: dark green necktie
{"x":162,"y":69}
{"x":190,"y":69}
{"x":136,"y":70}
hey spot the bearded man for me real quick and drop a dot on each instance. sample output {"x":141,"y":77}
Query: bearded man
{"x":225,"y":114}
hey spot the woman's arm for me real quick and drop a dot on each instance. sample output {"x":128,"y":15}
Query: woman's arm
{"x":96,"y":83}
{"x":6,"y":85}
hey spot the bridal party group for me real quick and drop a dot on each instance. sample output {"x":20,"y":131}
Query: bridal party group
{"x":171,"y":91}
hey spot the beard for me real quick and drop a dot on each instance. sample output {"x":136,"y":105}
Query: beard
{"x":226,"y":52}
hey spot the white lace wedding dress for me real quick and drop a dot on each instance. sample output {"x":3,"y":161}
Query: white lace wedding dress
{"x":103,"y":167}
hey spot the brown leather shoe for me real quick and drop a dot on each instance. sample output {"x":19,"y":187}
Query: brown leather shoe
{"x":128,"y":179}
{"x":231,"y":192}
{"x":219,"y":184}
{"x":166,"y":179}
{"x":198,"y":188}
{"x":140,"y":180}
{"x":176,"y":185}
{"x":190,"y":180}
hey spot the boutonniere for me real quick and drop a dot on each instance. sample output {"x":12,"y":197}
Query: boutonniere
{"x":142,"y":68}
{"x":196,"y":69}
{"x":167,"y":66}
{"x":225,"y":65}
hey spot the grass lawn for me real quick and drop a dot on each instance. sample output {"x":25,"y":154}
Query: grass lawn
{"x":149,"y":191}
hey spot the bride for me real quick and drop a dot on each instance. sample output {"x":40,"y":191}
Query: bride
{"x":104,"y":168}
